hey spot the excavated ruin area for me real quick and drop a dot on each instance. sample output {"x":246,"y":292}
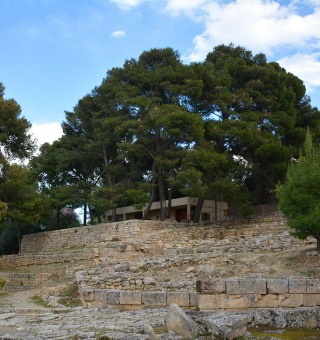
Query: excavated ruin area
{"x":147,"y":256}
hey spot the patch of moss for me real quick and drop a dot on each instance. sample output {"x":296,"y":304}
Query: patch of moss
{"x":70,"y":296}
{"x":37,"y":299}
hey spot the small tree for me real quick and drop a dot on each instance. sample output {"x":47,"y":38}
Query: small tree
{"x":299,"y":197}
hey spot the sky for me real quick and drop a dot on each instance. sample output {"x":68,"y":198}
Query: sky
{"x":54,"y":52}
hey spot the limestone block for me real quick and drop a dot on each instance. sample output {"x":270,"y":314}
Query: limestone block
{"x":101,"y":295}
{"x":208,"y":301}
{"x":277,"y":286}
{"x":178,"y":322}
{"x":193,"y":299}
{"x":265,"y":301}
{"x":214,"y":286}
{"x":87,"y":293}
{"x":313,"y":286}
{"x":154,"y":298}
{"x":235,"y":301}
{"x":297,"y":285}
{"x":246,"y":286}
{"x":181,"y":299}
{"x":290,"y":300}
{"x":113,"y":297}
{"x":130,"y":298}
{"x":227,"y":326}
{"x":311,"y":300}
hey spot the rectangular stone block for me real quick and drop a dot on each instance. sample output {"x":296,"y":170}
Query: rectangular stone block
{"x":214,"y":286}
{"x":297,"y":286}
{"x":277,"y":286}
{"x":130,"y":298}
{"x":193,"y":299}
{"x":235,"y":301}
{"x":101,"y":295}
{"x":182,"y":299}
{"x":246,"y":286}
{"x":154,"y":298}
{"x":313,"y":286}
{"x":113,"y":297}
{"x":208,"y":302}
{"x":311,"y":300}
{"x":290,"y":300}
{"x":266,"y":301}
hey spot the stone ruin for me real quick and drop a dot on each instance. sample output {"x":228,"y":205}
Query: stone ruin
{"x":134,"y":265}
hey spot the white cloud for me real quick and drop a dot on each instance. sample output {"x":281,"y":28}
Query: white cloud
{"x":46,"y":133}
{"x":126,"y":4}
{"x":305,"y":66}
{"x":259,"y":25}
{"x":118,"y":34}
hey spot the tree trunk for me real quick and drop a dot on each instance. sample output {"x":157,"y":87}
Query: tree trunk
{"x":114,"y":215}
{"x":58,"y":218}
{"x":162,"y":197}
{"x":318,"y":243}
{"x":19,"y":238}
{"x":151,"y":199}
{"x":197,"y":211}
{"x":85,"y":214}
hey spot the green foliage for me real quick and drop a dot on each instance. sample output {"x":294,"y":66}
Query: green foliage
{"x":156,"y":129}
{"x":299,"y":197}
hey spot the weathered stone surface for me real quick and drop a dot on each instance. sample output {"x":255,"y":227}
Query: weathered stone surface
{"x":178,"y":322}
{"x":130,"y":298}
{"x":182,"y":299}
{"x":228,"y":326}
{"x":213,"y":286}
{"x":113,"y":297}
{"x":265,"y":301}
{"x":154,"y":298}
{"x":313,"y":286}
{"x":235,"y":301}
{"x":297,"y":285}
{"x":311,"y":300}
{"x":278,"y":286}
{"x":246,"y":286}
{"x":290,"y":300}
{"x":208,"y":302}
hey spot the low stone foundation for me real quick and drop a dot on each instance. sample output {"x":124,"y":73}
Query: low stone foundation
{"x":217,"y":294}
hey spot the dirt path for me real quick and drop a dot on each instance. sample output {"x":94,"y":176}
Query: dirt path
{"x":20,"y":299}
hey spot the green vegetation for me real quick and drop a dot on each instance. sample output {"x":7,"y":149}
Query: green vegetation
{"x":156,"y":129}
{"x":37,"y":299}
{"x":299,"y":197}
{"x":70,"y":296}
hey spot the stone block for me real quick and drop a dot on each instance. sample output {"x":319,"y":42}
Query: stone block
{"x":235,"y":301}
{"x":113,"y":297}
{"x":208,"y":302}
{"x":214,"y":286}
{"x":193,"y":299}
{"x":313,"y":286}
{"x":87,"y":293}
{"x":311,"y":300}
{"x":101,"y":295}
{"x":130,"y":298}
{"x":290,"y":300}
{"x":297,"y":286}
{"x":265,"y":301}
{"x":246,"y":286}
{"x":182,"y":299}
{"x":277,"y":286}
{"x":154,"y":298}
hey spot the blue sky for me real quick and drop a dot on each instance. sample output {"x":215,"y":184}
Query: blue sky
{"x":55,"y":51}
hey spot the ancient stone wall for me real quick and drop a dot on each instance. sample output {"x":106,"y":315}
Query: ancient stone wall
{"x":98,"y":235}
{"x":217,"y":294}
